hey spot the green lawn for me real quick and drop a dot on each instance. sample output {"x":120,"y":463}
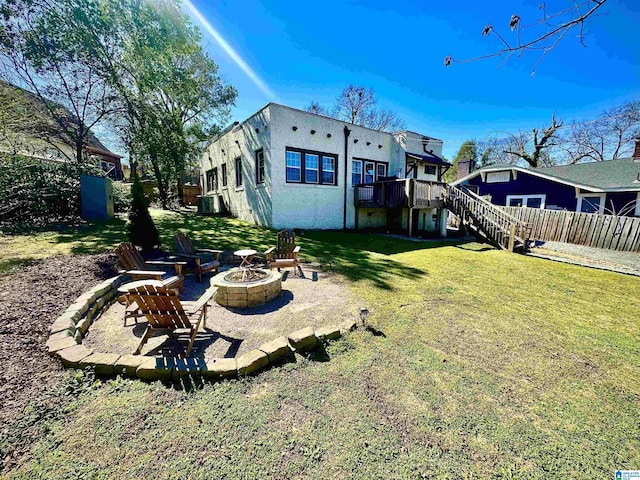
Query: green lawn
{"x":481,"y":364}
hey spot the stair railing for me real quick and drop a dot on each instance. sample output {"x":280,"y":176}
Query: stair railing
{"x":497,"y":225}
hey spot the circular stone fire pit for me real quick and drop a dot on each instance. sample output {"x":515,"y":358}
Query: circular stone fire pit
{"x":260,"y":287}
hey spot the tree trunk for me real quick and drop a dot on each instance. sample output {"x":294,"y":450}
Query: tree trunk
{"x":164,"y":201}
{"x":180,"y":190}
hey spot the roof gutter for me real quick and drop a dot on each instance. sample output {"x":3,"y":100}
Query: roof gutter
{"x":347,"y":132}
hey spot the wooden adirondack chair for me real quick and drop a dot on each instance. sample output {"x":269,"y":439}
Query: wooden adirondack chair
{"x":138,"y":269}
{"x":186,"y":249}
{"x":165,"y":312}
{"x":285,"y":254}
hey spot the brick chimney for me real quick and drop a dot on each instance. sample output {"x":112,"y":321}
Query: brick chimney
{"x":636,"y":151}
{"x":466,"y":166}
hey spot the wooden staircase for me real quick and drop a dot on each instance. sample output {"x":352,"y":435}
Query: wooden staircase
{"x":487,"y":220}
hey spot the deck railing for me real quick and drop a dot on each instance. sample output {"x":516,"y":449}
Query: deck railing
{"x":406,"y":192}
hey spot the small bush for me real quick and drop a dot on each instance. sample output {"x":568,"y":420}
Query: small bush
{"x":121,"y":197}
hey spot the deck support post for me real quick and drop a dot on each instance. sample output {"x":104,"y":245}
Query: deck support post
{"x":512,"y":236}
{"x":410,"y":222}
{"x":442,"y":221}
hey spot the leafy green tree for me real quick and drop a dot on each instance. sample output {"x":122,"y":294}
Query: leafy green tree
{"x":164,"y":92}
{"x":141,"y":229}
{"x":40,"y":54}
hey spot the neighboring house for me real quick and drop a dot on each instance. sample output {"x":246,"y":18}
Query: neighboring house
{"x":287,"y":168}
{"x":27,"y":129}
{"x":611,"y":187}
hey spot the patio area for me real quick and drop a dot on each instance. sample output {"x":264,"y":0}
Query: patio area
{"x":317,"y":299}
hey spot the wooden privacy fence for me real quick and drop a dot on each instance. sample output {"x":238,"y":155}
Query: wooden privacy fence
{"x":590,"y":229}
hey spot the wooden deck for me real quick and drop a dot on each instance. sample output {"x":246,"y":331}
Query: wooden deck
{"x":406,"y":192}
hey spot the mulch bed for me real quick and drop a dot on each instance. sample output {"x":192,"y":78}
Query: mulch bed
{"x":30,"y":300}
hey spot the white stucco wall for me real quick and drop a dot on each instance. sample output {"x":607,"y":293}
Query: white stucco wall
{"x":251,"y":201}
{"x":279,"y":204}
{"x":321,"y":206}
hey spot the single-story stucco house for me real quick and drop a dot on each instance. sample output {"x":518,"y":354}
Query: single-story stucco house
{"x":609,"y":187}
{"x":288,"y":168}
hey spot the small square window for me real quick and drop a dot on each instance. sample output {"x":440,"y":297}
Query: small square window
{"x":430,"y":169}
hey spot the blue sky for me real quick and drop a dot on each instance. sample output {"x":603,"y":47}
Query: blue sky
{"x":308,"y":51}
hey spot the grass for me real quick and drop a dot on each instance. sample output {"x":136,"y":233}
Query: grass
{"x":491,"y":365}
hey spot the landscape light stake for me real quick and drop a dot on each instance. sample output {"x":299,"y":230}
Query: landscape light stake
{"x":363,"y":315}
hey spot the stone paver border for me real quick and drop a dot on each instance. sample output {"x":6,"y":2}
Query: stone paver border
{"x":69,"y":329}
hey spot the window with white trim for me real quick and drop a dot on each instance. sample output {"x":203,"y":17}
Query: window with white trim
{"x":591,"y":202}
{"x":223,"y":169}
{"x":531,"y":201}
{"x":328,"y":170}
{"x":311,"y":168}
{"x":367,"y":171}
{"x":294,"y":164}
{"x":304,"y":166}
{"x":498,"y":177}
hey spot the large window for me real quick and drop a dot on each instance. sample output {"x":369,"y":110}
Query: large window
{"x":238,"y":165}
{"x":303,"y":166}
{"x":212,"y":180}
{"x":531,"y":201}
{"x":367,"y":171}
{"x":223,"y":172}
{"x":260,"y":166}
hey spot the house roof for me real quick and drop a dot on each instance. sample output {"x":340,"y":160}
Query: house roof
{"x":27,"y":114}
{"x":428,"y":158}
{"x":608,"y":176}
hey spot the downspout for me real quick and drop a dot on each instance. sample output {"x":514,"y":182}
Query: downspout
{"x":347,"y":132}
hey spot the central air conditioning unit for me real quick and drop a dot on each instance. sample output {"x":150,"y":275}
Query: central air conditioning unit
{"x":206,"y":205}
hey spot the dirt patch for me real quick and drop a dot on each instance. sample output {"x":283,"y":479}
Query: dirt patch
{"x":30,"y":300}
{"x":319,"y":299}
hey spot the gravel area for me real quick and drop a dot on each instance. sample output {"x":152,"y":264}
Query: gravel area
{"x":623,"y":262}
{"x":320,"y":299}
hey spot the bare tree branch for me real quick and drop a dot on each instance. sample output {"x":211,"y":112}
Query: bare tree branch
{"x":543,"y":41}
